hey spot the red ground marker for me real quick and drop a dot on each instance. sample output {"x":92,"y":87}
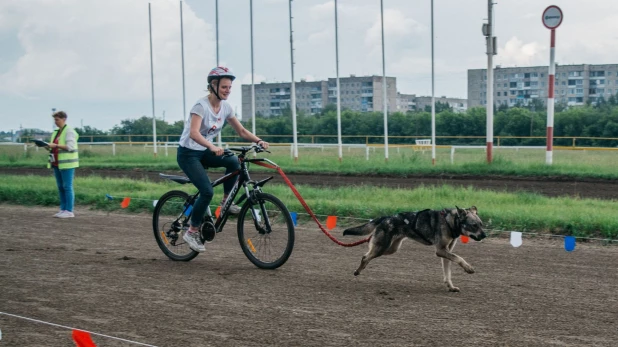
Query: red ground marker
{"x":331,"y":222}
{"x":125,"y":202}
{"x":82,"y":339}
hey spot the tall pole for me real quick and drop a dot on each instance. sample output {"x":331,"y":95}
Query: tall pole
{"x":550,"y":99}
{"x":217,"y":44}
{"x":217,"y":29}
{"x":252,"y":69}
{"x":293,"y":89}
{"x":53,"y":122}
{"x":385,"y":100}
{"x":182,"y":54}
{"x":338,"y":92}
{"x":433,"y":98}
{"x":490,"y":82}
{"x":154,"y":121}
{"x":552,"y":18}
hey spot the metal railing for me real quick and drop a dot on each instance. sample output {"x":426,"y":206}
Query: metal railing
{"x":563,"y":141}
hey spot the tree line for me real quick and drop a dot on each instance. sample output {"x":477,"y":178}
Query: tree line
{"x":597,"y":121}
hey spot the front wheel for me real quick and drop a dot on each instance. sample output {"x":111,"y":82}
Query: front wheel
{"x":266,"y":231}
{"x":170,"y":221}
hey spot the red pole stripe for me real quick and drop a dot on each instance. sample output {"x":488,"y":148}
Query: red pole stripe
{"x":550,"y":137}
{"x":551,"y":86}
{"x":552,"y":43}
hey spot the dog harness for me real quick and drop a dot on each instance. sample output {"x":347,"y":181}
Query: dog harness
{"x":456,"y":230}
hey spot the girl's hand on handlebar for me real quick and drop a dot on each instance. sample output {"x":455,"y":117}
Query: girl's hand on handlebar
{"x":218,"y":151}
{"x":263,"y":144}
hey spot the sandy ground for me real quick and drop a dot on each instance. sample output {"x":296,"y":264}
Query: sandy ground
{"x":104,"y":273}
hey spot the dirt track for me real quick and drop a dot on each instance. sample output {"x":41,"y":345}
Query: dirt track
{"x":553,"y":186}
{"x":104,"y":273}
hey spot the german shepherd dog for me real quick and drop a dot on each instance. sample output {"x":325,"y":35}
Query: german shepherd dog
{"x":441,"y":228}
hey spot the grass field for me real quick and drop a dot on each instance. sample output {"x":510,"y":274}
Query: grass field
{"x":499,"y":210}
{"x":402,"y":161}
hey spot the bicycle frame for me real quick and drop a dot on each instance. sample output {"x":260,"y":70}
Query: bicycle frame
{"x":244,"y":180}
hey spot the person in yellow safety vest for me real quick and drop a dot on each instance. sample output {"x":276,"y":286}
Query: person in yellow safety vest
{"x":63,"y":158}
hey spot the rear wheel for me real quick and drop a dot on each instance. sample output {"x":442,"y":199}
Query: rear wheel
{"x":266,"y":231}
{"x":170,"y":221}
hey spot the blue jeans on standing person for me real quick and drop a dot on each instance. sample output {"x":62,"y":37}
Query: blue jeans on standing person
{"x":194,"y":163}
{"x":64,"y":181}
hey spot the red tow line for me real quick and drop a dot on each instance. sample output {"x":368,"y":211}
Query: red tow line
{"x":302,"y":201}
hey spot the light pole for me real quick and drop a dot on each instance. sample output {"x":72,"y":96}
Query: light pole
{"x":384,"y":96}
{"x":491,"y":51}
{"x":53,"y":123}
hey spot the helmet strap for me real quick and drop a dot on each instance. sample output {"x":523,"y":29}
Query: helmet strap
{"x":215,"y":91}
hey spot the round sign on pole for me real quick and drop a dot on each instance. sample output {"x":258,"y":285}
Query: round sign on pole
{"x":552,"y":17}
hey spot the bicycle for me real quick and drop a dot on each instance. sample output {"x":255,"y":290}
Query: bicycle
{"x":263,"y":218}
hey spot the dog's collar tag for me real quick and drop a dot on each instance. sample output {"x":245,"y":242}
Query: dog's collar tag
{"x":406,"y":221}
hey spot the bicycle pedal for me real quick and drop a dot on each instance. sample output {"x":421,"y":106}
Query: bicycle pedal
{"x":208,"y":232}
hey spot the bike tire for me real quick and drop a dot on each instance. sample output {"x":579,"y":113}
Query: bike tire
{"x":169,"y":224}
{"x":257,"y":244}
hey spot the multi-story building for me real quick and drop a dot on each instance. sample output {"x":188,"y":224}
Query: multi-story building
{"x":272,"y":98}
{"x":364,"y":93}
{"x":457,"y":104}
{"x":574,"y":84}
{"x":357,"y":93}
{"x":406,"y":102}
{"x":411,"y":102}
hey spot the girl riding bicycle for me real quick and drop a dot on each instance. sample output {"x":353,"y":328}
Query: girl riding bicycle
{"x":196,"y":150}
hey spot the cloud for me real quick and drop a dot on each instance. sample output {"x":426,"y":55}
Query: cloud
{"x":309,"y":78}
{"x":321,"y":36}
{"x":397,"y":27}
{"x":517,"y":53}
{"x":68,"y":52}
{"x":323,"y":11}
{"x":257,"y":78}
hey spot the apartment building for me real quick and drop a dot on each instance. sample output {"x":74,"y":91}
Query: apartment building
{"x":411,"y":102}
{"x":574,"y":84}
{"x":363,"y":93}
{"x":457,"y":104}
{"x":272,"y":98}
{"x":406,"y":102}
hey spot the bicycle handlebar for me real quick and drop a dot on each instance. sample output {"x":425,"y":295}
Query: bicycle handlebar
{"x":245,"y":149}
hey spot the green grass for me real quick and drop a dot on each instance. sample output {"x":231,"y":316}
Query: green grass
{"x":499,"y":210}
{"x":402,"y":161}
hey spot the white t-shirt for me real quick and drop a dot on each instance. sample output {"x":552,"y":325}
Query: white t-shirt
{"x":211,"y":123}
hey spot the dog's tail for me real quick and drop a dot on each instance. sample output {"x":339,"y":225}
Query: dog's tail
{"x":364,"y":229}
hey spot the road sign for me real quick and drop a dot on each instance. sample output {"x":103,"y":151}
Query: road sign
{"x":552,"y":17}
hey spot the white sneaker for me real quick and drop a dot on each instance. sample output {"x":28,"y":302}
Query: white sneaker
{"x":59,"y":213}
{"x":65,"y":214}
{"x":194,"y":241}
{"x":234,"y":209}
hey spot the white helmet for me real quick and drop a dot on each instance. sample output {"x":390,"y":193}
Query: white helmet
{"x":219,"y":72}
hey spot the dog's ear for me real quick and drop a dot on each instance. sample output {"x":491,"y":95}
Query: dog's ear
{"x":460,"y":212}
{"x":473,"y":210}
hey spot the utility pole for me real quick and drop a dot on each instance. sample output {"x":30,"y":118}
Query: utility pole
{"x":491,"y":51}
{"x":293,"y":89}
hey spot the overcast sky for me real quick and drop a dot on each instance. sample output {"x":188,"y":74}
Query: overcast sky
{"x":91,"y":57}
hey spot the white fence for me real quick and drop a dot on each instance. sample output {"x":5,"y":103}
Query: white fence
{"x":517,"y":148}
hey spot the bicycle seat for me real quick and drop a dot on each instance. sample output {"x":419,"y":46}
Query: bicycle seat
{"x":176,"y":178}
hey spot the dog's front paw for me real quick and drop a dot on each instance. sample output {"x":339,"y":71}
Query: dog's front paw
{"x":356,"y":273}
{"x":454,"y":289}
{"x":469,"y":269}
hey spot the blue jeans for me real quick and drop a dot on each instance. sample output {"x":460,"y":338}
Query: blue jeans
{"x":64,"y":181}
{"x":194,"y":163}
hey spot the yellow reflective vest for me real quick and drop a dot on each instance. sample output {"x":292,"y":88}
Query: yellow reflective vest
{"x":66,"y":159}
